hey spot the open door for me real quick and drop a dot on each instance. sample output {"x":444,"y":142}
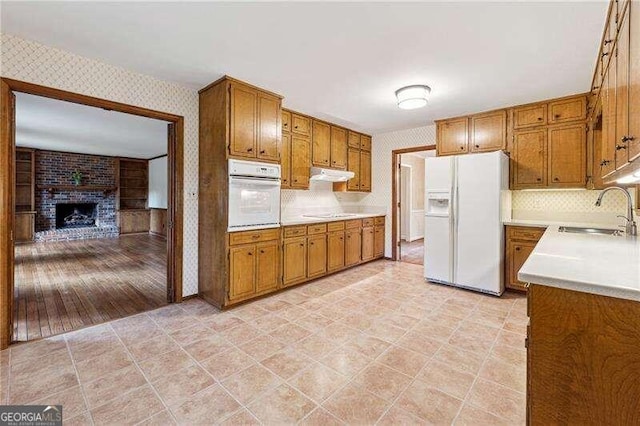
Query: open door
{"x":7,"y":176}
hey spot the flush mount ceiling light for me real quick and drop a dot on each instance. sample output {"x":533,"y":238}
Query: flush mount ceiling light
{"x":412,"y":97}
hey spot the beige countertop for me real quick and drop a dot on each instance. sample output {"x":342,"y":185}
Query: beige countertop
{"x":304,"y":220}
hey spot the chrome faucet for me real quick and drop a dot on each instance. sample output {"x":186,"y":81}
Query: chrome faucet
{"x":630,"y":227}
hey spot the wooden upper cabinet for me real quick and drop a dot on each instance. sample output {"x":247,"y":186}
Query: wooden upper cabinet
{"x":353,"y":247}
{"x":294,"y":260}
{"x":301,"y":124}
{"x":285,"y":161}
{"x":242,"y":269}
{"x":622,"y":94}
{"x":354,"y":140}
{"x":529,"y":159}
{"x":452,"y":136}
{"x":368,"y":243}
{"x":300,"y":155}
{"x":269,"y":127}
{"x":321,"y":144}
{"x":567,"y":156}
{"x":353,"y":165}
{"x":609,"y":122}
{"x":338,"y":148}
{"x":633,"y":13}
{"x":529,"y":115}
{"x":243,"y":136}
{"x":335,"y":251}
{"x":365,"y":142}
{"x":568,"y":110}
{"x":489,"y":131}
{"x":267,"y":266}
{"x":286,"y":121}
{"x":365,"y":171}
{"x":316,"y":255}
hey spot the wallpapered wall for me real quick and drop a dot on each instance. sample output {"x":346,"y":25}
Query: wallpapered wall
{"x":33,"y":62}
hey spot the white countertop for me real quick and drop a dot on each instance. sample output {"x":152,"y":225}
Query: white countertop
{"x":303,"y":220}
{"x":597,"y":264}
{"x":540,"y":223}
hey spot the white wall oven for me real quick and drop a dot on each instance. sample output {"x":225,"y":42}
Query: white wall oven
{"x":254,"y":195}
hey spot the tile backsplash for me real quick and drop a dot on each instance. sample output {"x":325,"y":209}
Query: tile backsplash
{"x":569,"y":205}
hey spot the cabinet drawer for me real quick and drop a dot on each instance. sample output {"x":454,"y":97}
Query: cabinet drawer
{"x":568,"y":110}
{"x":351,"y":224}
{"x":524,"y":233}
{"x":317,"y":229}
{"x":367,"y":222}
{"x":300,"y":125}
{"x":527,"y":116}
{"x":379,"y":220}
{"x":245,"y":237}
{"x":286,"y":121}
{"x":353,"y":140}
{"x":335,"y":226}
{"x":295,"y":231}
{"x":365,"y":143}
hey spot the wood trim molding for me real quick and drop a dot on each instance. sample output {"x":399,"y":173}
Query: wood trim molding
{"x":395,"y":177}
{"x":157,"y":156}
{"x":176,"y":191}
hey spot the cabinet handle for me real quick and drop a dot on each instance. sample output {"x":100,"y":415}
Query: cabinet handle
{"x":477,"y":146}
{"x":462,"y":147}
{"x":295,"y":127}
{"x":262,"y":151}
{"x":555,"y":179}
{"x":261,"y":251}
{"x":607,"y":42}
{"x":340,"y":238}
{"x":301,"y":245}
{"x":539,"y":118}
{"x":619,"y":147}
{"x":255,"y":237}
{"x":250,"y":254}
{"x":556,"y":115}
{"x":249,"y":149}
{"x":285,"y":125}
{"x":627,"y":138}
{"x":539,"y":179}
{"x":517,"y":248}
{"x":604,"y":54}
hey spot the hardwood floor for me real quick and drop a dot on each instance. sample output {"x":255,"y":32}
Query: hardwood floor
{"x":412,"y":252}
{"x":68,"y":285}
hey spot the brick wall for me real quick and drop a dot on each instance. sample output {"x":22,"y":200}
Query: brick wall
{"x":55,"y":168}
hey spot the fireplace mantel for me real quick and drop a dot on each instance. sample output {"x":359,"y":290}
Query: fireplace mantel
{"x":53,"y":189}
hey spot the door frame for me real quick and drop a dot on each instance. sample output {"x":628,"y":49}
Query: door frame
{"x":408,"y":200}
{"x":395,"y":185}
{"x":175,"y":153}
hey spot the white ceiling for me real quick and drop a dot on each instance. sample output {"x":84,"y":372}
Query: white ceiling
{"x":339,"y":61}
{"x":63,"y":126}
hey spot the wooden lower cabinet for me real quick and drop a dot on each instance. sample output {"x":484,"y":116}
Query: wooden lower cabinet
{"x":294,"y":260}
{"x":582,"y":358}
{"x":24,"y":227}
{"x":267,"y":266}
{"x":133,"y":221}
{"x":335,"y":251}
{"x":368,"y":240}
{"x":378,"y":241}
{"x":316,"y":255}
{"x":243,"y":269}
{"x":520,"y":243}
{"x":353,"y":247}
{"x":158,"y":222}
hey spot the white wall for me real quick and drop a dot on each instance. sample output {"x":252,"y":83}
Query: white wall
{"x":36,"y":63}
{"x":158,"y":183}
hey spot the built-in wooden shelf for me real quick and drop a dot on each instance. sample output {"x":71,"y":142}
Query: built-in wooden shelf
{"x":56,"y":188}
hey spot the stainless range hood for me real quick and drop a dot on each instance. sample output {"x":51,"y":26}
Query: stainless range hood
{"x":330,"y":175}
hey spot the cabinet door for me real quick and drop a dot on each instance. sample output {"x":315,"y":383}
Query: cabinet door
{"x":568,"y":110}
{"x":267,"y":266}
{"x":321,"y":144}
{"x":353,"y":165}
{"x":622,"y":95}
{"x":517,"y":254}
{"x":354,"y":140}
{"x":286,"y":121}
{"x":316,"y":255}
{"x":353,"y":247}
{"x":269,"y":127}
{"x":489,"y":132}
{"x":609,"y":122}
{"x":242,"y":261}
{"x":634,"y":79}
{"x":365,"y":171}
{"x":24,"y":227}
{"x":300,"y":161}
{"x":365,"y":143}
{"x":335,"y":251}
{"x":368,"y":240}
{"x":453,"y":137}
{"x":529,"y":159}
{"x":378,"y":242}
{"x":285,"y":161}
{"x":243,"y":132}
{"x":338,"y":148}
{"x":301,"y":125}
{"x":295,"y":260}
{"x":567,"y":156}
{"x":528,"y":116}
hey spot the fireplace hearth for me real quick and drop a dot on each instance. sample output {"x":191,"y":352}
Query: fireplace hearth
{"x":76,"y":215}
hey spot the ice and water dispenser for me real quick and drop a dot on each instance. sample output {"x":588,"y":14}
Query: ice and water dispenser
{"x":437,"y":204}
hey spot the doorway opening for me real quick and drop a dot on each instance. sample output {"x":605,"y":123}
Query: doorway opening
{"x":408,"y":203}
{"x":93,"y":227}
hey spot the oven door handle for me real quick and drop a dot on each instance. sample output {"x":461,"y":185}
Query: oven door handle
{"x":254,"y":181}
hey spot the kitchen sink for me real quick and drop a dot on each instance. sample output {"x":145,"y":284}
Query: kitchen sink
{"x":598,"y":231}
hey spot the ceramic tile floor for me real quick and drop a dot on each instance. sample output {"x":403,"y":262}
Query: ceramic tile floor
{"x":371,"y":345}
{"x":412,"y":252}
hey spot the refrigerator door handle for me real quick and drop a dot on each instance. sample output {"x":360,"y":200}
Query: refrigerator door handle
{"x":452,"y":221}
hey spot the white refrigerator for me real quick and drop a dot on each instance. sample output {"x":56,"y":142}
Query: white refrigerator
{"x":467,"y":198}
